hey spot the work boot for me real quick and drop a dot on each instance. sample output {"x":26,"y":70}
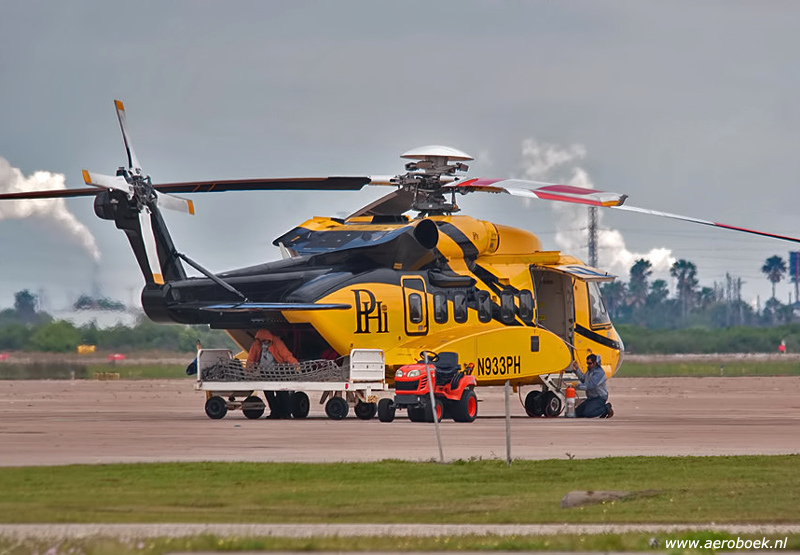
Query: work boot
{"x":609,"y":411}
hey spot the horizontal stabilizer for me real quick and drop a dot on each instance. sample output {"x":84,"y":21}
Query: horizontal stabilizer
{"x":274,"y":307}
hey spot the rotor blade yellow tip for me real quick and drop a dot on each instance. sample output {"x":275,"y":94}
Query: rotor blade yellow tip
{"x":87,"y":178}
{"x":118,"y":104}
{"x":191,"y":207}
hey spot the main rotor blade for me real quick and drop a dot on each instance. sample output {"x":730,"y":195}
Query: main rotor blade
{"x":133,"y":162}
{"x":540,"y":190}
{"x":591,"y":197}
{"x":704,"y":222}
{"x":285,"y":184}
{"x":52,"y":193}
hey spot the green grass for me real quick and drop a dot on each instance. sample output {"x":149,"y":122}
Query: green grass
{"x":66,"y":371}
{"x":158,"y":546}
{"x":691,"y":489}
{"x":745,"y":368}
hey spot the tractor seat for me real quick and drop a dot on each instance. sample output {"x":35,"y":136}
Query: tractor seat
{"x":447,"y":367}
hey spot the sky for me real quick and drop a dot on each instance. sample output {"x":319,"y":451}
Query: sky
{"x":687,"y":107}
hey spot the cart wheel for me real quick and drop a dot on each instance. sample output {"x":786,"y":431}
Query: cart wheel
{"x":416,"y":414}
{"x":386,"y":410}
{"x":336,"y":408}
{"x":216,"y":407}
{"x":552,"y":404}
{"x":253,"y":407}
{"x":533,"y":403}
{"x":300,"y":404}
{"x":365,"y":411}
{"x":466,"y":408}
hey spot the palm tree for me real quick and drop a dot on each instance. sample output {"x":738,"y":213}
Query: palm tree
{"x":686,"y":275}
{"x":638,"y":286}
{"x":774,"y":268}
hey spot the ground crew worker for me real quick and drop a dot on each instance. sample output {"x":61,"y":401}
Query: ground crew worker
{"x":594,"y":382}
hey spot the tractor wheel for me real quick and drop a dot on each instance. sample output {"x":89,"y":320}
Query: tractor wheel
{"x":438,"y":407}
{"x":365,"y":411}
{"x":216,"y":407}
{"x":253,"y":407}
{"x":552,"y":404}
{"x":300,"y":405}
{"x":416,"y":414}
{"x":533,"y":404}
{"x":336,"y":408}
{"x":386,"y":410}
{"x":466,"y":408}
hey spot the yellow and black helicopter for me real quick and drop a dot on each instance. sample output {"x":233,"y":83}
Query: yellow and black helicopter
{"x":438,"y":281}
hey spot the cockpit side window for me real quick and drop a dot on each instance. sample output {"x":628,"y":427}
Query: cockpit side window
{"x":526,"y":306}
{"x":597,"y":307}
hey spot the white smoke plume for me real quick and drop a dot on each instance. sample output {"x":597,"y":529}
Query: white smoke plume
{"x":53,"y":210}
{"x":548,"y":162}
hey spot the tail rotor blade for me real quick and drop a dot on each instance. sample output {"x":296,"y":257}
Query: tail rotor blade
{"x":107,"y":181}
{"x":151,"y":250}
{"x":177,"y":203}
{"x":133,"y":162}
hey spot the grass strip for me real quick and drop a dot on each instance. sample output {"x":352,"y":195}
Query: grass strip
{"x":636,"y":542}
{"x":726,"y":369}
{"x":689,"y":490}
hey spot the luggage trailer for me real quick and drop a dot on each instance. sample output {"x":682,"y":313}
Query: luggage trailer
{"x":230,"y":385}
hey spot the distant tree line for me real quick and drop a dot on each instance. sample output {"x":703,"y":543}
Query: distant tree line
{"x":648,"y":304}
{"x":23,"y":328}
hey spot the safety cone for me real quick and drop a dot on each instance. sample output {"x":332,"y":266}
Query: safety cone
{"x":570,"y":395}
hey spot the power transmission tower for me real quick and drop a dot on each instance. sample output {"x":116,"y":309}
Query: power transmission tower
{"x":593,"y":236}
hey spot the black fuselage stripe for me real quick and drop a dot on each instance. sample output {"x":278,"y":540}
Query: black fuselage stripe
{"x":596,"y":337}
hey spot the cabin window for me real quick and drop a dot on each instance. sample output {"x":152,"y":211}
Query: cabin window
{"x":460,"y":307}
{"x":526,"y":306}
{"x":507,"y":311}
{"x":484,"y":306}
{"x":597,"y":307}
{"x":415,"y":308}
{"x":440,"y":308}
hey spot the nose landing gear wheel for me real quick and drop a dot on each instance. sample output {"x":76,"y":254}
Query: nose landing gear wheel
{"x":253,"y":407}
{"x":216,"y":407}
{"x":534,"y":404}
{"x":552,"y":404}
{"x":336,"y":408}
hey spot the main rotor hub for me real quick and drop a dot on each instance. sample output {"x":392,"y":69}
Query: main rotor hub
{"x":429,"y":173}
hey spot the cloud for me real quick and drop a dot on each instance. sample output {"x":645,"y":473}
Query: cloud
{"x":550,"y":162}
{"x":54,"y":211}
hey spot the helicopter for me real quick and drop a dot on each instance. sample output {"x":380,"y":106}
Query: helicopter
{"x":438,"y":281}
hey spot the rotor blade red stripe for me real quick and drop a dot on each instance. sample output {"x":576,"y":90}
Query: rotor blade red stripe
{"x":547,"y":196}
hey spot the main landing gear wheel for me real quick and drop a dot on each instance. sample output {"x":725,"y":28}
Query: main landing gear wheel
{"x":336,"y":408}
{"x":366,"y":411}
{"x":216,"y":407}
{"x":253,"y":407}
{"x":552,"y":404}
{"x":534,"y":404}
{"x":386,"y":410}
{"x":300,"y":405}
{"x":466,"y":408}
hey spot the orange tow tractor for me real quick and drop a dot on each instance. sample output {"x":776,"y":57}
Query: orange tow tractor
{"x":453,"y":391}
